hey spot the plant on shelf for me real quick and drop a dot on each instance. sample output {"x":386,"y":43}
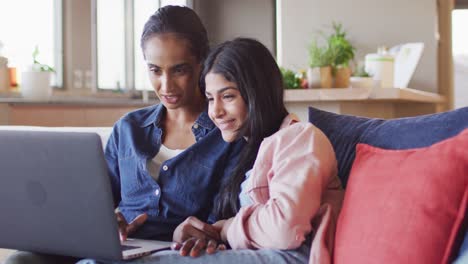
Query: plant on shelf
{"x":344,"y":54}
{"x":361,"y":79}
{"x":37,"y":66}
{"x":290,"y":79}
{"x":321,"y":58}
{"x":339,"y":43}
{"x":35,"y":80}
{"x":361,"y":72}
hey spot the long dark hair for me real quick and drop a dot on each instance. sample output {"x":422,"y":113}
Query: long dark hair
{"x":182,"y":21}
{"x":250,"y":65}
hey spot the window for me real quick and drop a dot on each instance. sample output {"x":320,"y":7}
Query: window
{"x":22,"y":29}
{"x":459,"y":36}
{"x":119,"y":24}
{"x":460,"y":56}
{"x":110,"y":43}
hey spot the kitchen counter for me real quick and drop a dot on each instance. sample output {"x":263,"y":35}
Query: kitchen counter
{"x":67,"y":108}
{"x":377,"y":103}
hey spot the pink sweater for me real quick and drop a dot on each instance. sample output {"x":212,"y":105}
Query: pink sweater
{"x":295,"y":190}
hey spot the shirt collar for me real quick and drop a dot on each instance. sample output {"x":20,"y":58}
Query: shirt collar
{"x":289,"y":120}
{"x":205,"y":121}
{"x":154,"y":115}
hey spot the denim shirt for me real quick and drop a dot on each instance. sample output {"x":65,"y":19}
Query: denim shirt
{"x":187,"y":183}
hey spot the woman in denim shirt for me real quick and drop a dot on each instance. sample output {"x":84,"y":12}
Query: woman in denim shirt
{"x":166,"y":161}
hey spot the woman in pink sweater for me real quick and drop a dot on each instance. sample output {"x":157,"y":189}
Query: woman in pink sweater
{"x":290,"y":195}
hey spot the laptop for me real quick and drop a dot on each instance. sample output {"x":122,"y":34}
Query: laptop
{"x":56,"y":198}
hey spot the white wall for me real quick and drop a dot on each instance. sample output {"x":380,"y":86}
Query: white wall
{"x":370,"y":23}
{"x":227,"y":19}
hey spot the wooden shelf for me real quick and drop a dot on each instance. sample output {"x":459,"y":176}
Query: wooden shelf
{"x":362,"y":94}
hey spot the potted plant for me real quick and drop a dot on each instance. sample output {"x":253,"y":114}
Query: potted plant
{"x":35,"y":80}
{"x":319,"y":73}
{"x":292,"y":80}
{"x":344,"y":53}
{"x":361,"y":79}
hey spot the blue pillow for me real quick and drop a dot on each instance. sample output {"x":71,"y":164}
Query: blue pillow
{"x":463,"y":253}
{"x":345,"y":131}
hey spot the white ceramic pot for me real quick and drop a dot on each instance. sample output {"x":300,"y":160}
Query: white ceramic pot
{"x":361,"y":82}
{"x":35,"y":84}
{"x":313,"y":77}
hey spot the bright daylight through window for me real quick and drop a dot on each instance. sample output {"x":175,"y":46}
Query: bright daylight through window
{"x":460,"y":56}
{"x":120,"y":63}
{"x":22,"y":29}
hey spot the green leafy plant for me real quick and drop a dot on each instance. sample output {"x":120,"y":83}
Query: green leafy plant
{"x":361,"y":72}
{"x":290,"y":79}
{"x":39,"y":66}
{"x":320,"y":56}
{"x":340,"y":45}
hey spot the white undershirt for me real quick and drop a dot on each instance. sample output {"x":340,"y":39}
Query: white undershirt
{"x":154,"y":165}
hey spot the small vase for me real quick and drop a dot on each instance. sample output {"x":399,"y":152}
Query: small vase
{"x":342,"y":76}
{"x":313,"y":77}
{"x":326,"y":78}
{"x":362,"y":82}
{"x":35,"y":84}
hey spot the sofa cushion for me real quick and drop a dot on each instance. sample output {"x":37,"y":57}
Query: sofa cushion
{"x":463,"y":254}
{"x":405,"y":206}
{"x":346,"y":131}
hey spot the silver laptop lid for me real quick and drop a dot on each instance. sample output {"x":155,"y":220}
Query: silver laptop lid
{"x":55,"y":195}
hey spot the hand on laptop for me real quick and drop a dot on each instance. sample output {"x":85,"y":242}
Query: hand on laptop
{"x":126,"y":229}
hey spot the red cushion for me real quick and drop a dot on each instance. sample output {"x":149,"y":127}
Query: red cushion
{"x":404,"y":206}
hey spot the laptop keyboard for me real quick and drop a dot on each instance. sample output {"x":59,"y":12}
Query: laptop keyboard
{"x":125,"y":247}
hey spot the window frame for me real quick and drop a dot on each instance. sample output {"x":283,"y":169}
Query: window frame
{"x":129,"y":46}
{"x":58,"y":43}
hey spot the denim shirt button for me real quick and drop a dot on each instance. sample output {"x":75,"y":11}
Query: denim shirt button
{"x":195,"y":126}
{"x":165,"y":168}
{"x":156,"y":192}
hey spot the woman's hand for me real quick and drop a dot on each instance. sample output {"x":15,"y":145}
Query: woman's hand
{"x":126,"y":229}
{"x":222,"y":226}
{"x":192,"y":227}
{"x":195,"y":246}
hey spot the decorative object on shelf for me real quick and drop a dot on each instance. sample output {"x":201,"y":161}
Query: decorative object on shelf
{"x":292,"y":80}
{"x":361,"y":79}
{"x":407,"y":57}
{"x":342,"y":77}
{"x":35,"y":80}
{"x":344,"y":53}
{"x":381,"y":66}
{"x":4,"y":75}
{"x":333,"y":60}
{"x":319,"y":73}
{"x":13,"y":77}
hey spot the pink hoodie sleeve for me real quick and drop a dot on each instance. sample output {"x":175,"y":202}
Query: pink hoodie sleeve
{"x":290,"y":174}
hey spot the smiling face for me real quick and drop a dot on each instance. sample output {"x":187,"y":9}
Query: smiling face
{"x":226,"y":107}
{"x":173,"y":70}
